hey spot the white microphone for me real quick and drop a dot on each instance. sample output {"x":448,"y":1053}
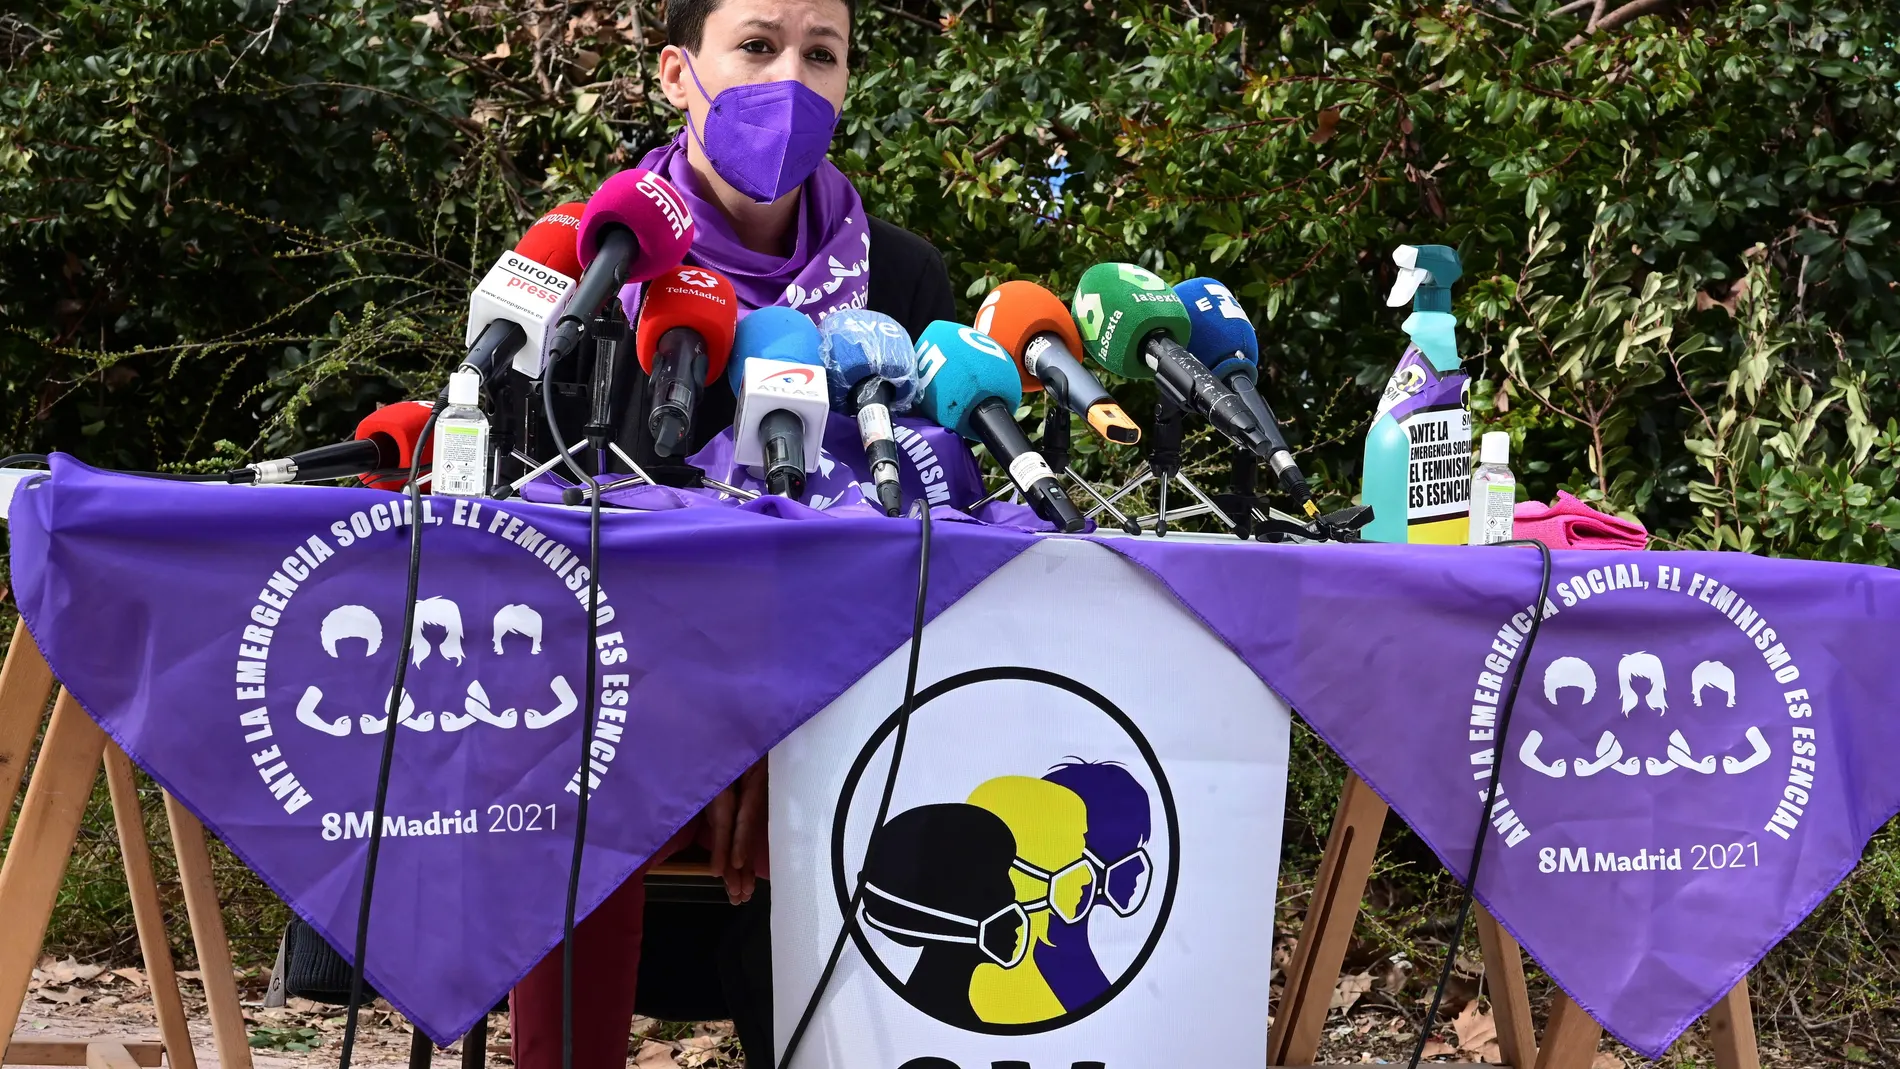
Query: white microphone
{"x":781,"y":421}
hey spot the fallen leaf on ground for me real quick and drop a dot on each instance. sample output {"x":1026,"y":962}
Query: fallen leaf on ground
{"x":1349,"y":990}
{"x":1438,"y":1048}
{"x":1606,"y":1060}
{"x":655,"y":1055}
{"x":1475,"y":1028}
{"x":133,"y":975}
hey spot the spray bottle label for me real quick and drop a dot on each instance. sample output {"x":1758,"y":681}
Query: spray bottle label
{"x":1431,"y":408}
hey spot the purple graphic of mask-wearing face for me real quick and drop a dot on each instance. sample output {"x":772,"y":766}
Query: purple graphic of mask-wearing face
{"x":1119,"y":824}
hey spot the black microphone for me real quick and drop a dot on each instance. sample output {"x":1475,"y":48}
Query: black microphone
{"x":636,"y":227}
{"x":386,"y":439}
{"x":683,"y":341}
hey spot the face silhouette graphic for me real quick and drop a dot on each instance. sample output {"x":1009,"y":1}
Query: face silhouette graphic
{"x":1052,"y":878}
{"x":937,"y":877}
{"x":1119,"y":824}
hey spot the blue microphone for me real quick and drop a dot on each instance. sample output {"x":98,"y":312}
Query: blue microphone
{"x":971,"y":386}
{"x":871,"y":370}
{"x":770,"y":425}
{"x":1224,"y":340}
{"x":775,"y":333}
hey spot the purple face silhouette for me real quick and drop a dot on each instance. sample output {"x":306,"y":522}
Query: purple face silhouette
{"x":1119,"y":825}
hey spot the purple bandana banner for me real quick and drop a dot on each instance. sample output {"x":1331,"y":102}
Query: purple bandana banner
{"x":239,"y":644}
{"x":1697,"y":757}
{"x":1698,"y":753}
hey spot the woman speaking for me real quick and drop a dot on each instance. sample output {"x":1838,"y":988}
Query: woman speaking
{"x":760,"y":84}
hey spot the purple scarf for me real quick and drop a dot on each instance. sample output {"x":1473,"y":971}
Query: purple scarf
{"x":831,"y":251}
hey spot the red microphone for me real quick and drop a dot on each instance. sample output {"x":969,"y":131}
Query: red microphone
{"x":386,"y":439}
{"x":683,"y":340}
{"x":553,"y":240}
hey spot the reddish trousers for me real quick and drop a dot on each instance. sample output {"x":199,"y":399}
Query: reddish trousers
{"x":606,"y":969}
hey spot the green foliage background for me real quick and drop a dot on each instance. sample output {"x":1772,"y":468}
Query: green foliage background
{"x":233,"y":228}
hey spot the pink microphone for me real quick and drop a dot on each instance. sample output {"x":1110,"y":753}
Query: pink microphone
{"x":648,"y":208}
{"x":636,"y":227}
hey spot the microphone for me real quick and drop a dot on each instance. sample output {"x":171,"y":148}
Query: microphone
{"x":635,"y":228}
{"x":971,"y":386}
{"x":1224,"y":340}
{"x":683,"y":340}
{"x":1034,"y":326}
{"x":1134,"y":326}
{"x":872,"y":369}
{"x":522,"y":297}
{"x":386,"y":439}
{"x":782,"y":387}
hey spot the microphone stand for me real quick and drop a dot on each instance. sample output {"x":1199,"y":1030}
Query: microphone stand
{"x":1244,"y":481}
{"x":1164,"y":463}
{"x":1057,"y":440}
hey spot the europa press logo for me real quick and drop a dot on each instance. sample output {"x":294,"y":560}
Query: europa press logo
{"x":1010,"y":890}
{"x":316,"y":656}
{"x":1634,"y":745}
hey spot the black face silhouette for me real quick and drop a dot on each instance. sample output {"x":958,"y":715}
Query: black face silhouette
{"x":937,"y":877}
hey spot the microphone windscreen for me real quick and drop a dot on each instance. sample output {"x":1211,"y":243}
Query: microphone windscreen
{"x":1017,"y":311}
{"x":551,"y":241}
{"x":773,"y":333}
{"x":695,"y":298}
{"x":1118,"y":306}
{"x":859,"y":344}
{"x":961,"y":368}
{"x":397,"y":429}
{"x":1219,"y":326}
{"x":648,"y":205}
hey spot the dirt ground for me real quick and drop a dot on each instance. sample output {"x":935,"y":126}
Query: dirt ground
{"x":73,"y":1000}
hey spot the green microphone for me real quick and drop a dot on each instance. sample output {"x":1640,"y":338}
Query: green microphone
{"x":1133,"y":324}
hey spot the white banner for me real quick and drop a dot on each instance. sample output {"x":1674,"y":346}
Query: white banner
{"x":1081,"y":856}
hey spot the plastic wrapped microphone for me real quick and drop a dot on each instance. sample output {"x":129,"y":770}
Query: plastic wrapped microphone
{"x":871,"y":366}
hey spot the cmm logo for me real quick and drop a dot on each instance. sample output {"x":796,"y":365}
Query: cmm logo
{"x":1031,"y":889}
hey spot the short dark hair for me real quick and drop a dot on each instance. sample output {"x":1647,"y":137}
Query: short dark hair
{"x":686,"y":21}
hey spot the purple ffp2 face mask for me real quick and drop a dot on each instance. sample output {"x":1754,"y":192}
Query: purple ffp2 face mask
{"x":764,"y":139}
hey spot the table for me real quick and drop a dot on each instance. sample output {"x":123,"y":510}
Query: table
{"x":1388,"y":652}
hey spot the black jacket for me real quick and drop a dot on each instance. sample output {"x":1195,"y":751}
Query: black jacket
{"x":908,"y":283}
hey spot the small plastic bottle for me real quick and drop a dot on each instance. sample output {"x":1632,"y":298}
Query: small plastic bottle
{"x":461,"y":440}
{"x":1493,"y":491}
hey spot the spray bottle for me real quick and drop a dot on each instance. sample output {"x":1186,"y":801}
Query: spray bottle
{"x":1418,"y":454}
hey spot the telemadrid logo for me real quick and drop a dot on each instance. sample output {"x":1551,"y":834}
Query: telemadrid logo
{"x":998,"y":889}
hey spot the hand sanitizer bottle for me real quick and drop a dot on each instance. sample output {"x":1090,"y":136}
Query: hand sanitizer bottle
{"x":461,"y":440}
{"x":1493,"y":491}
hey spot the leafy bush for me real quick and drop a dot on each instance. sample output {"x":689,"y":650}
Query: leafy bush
{"x":247,"y":227}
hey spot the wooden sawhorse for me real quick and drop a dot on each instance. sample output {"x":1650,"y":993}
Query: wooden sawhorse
{"x":35,"y":862}
{"x":1570,"y":1036}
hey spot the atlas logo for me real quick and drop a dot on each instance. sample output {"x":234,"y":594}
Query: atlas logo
{"x":1030,"y":897}
{"x":797,"y":376}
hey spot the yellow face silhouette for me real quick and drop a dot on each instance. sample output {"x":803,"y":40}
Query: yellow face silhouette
{"x":1050,"y":824}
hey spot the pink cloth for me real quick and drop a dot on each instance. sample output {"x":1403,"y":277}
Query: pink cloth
{"x":1571,"y":524}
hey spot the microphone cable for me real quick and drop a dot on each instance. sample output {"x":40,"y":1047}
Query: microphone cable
{"x":1490,"y":795}
{"x":890,"y":787}
{"x":175,"y":476}
{"x":391,"y":712}
{"x":588,"y":707}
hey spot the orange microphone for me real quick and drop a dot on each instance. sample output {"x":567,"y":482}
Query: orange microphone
{"x":1037,"y":330}
{"x":683,"y":340}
